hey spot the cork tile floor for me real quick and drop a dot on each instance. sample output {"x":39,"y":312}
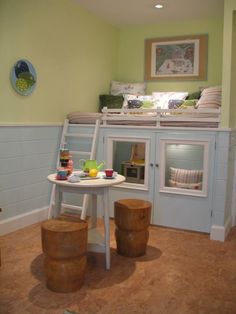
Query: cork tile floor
{"x":182,"y":272}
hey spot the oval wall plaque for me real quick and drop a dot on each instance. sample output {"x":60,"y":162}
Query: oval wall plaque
{"x":23,"y":77}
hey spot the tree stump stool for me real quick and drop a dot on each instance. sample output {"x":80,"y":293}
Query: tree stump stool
{"x":64,"y":243}
{"x":132,"y":219}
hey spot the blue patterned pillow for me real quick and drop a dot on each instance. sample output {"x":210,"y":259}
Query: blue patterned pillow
{"x":134,"y":103}
{"x":174,"y":103}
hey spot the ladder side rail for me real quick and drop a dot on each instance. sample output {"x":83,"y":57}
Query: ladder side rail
{"x":52,"y":198}
{"x":95,"y":139}
{"x":92,"y":156}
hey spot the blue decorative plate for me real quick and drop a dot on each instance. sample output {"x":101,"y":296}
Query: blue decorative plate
{"x":23,"y":77}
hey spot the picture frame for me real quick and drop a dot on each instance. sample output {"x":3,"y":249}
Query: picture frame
{"x":176,"y":58}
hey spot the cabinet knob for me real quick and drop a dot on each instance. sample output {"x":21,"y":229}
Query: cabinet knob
{"x":157,"y":165}
{"x":151,"y":165}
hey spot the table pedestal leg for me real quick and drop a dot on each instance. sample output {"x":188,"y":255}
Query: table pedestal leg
{"x":105,"y":202}
{"x":94,"y":211}
{"x":58,"y":200}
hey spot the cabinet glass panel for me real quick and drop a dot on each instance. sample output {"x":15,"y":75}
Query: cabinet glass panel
{"x":128,"y":157}
{"x":185,"y":167}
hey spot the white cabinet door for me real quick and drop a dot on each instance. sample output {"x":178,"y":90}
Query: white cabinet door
{"x":183,"y":180}
{"x":132,"y":155}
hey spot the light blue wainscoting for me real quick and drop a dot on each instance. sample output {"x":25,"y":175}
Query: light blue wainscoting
{"x":27,"y":155}
{"x":224,"y":185}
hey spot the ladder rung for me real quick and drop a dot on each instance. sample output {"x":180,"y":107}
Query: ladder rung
{"x":69,"y":206}
{"x":79,"y":135}
{"x":74,"y":152}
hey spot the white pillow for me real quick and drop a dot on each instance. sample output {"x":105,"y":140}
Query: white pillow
{"x":120,"y":88}
{"x":162,"y":98}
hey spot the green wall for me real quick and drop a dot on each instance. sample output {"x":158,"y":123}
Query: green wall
{"x":77,"y":54}
{"x":131,"y":52}
{"x":229,"y":65}
{"x":233,"y":76}
{"x":73,"y":52}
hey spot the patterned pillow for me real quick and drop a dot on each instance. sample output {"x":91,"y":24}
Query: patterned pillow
{"x":210,"y":98}
{"x":191,"y":186}
{"x":120,"y":88}
{"x":175,"y":103}
{"x":134,"y":103}
{"x":163,"y":98}
{"x":185,"y":175}
{"x":144,"y":101}
{"x":191,"y":104}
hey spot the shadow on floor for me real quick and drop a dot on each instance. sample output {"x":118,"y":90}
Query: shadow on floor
{"x":96,"y":277}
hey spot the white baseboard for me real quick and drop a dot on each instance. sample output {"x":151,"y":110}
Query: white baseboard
{"x":233,"y":219}
{"x":220,"y":232}
{"x":20,"y":221}
{"x":23,"y":220}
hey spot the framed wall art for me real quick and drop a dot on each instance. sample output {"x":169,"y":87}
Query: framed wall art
{"x":176,"y":58}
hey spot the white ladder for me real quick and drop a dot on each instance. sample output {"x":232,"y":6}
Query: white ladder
{"x":90,"y":154}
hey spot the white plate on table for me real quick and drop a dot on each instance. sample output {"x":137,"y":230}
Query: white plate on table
{"x":89,"y":178}
{"x":83,"y":176}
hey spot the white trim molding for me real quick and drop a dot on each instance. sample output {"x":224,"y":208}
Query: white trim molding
{"x":26,"y":124}
{"x":220,"y":233}
{"x":23,"y":220}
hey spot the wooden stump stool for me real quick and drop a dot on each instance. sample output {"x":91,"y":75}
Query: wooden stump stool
{"x":132,"y":219}
{"x":64,"y":243}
